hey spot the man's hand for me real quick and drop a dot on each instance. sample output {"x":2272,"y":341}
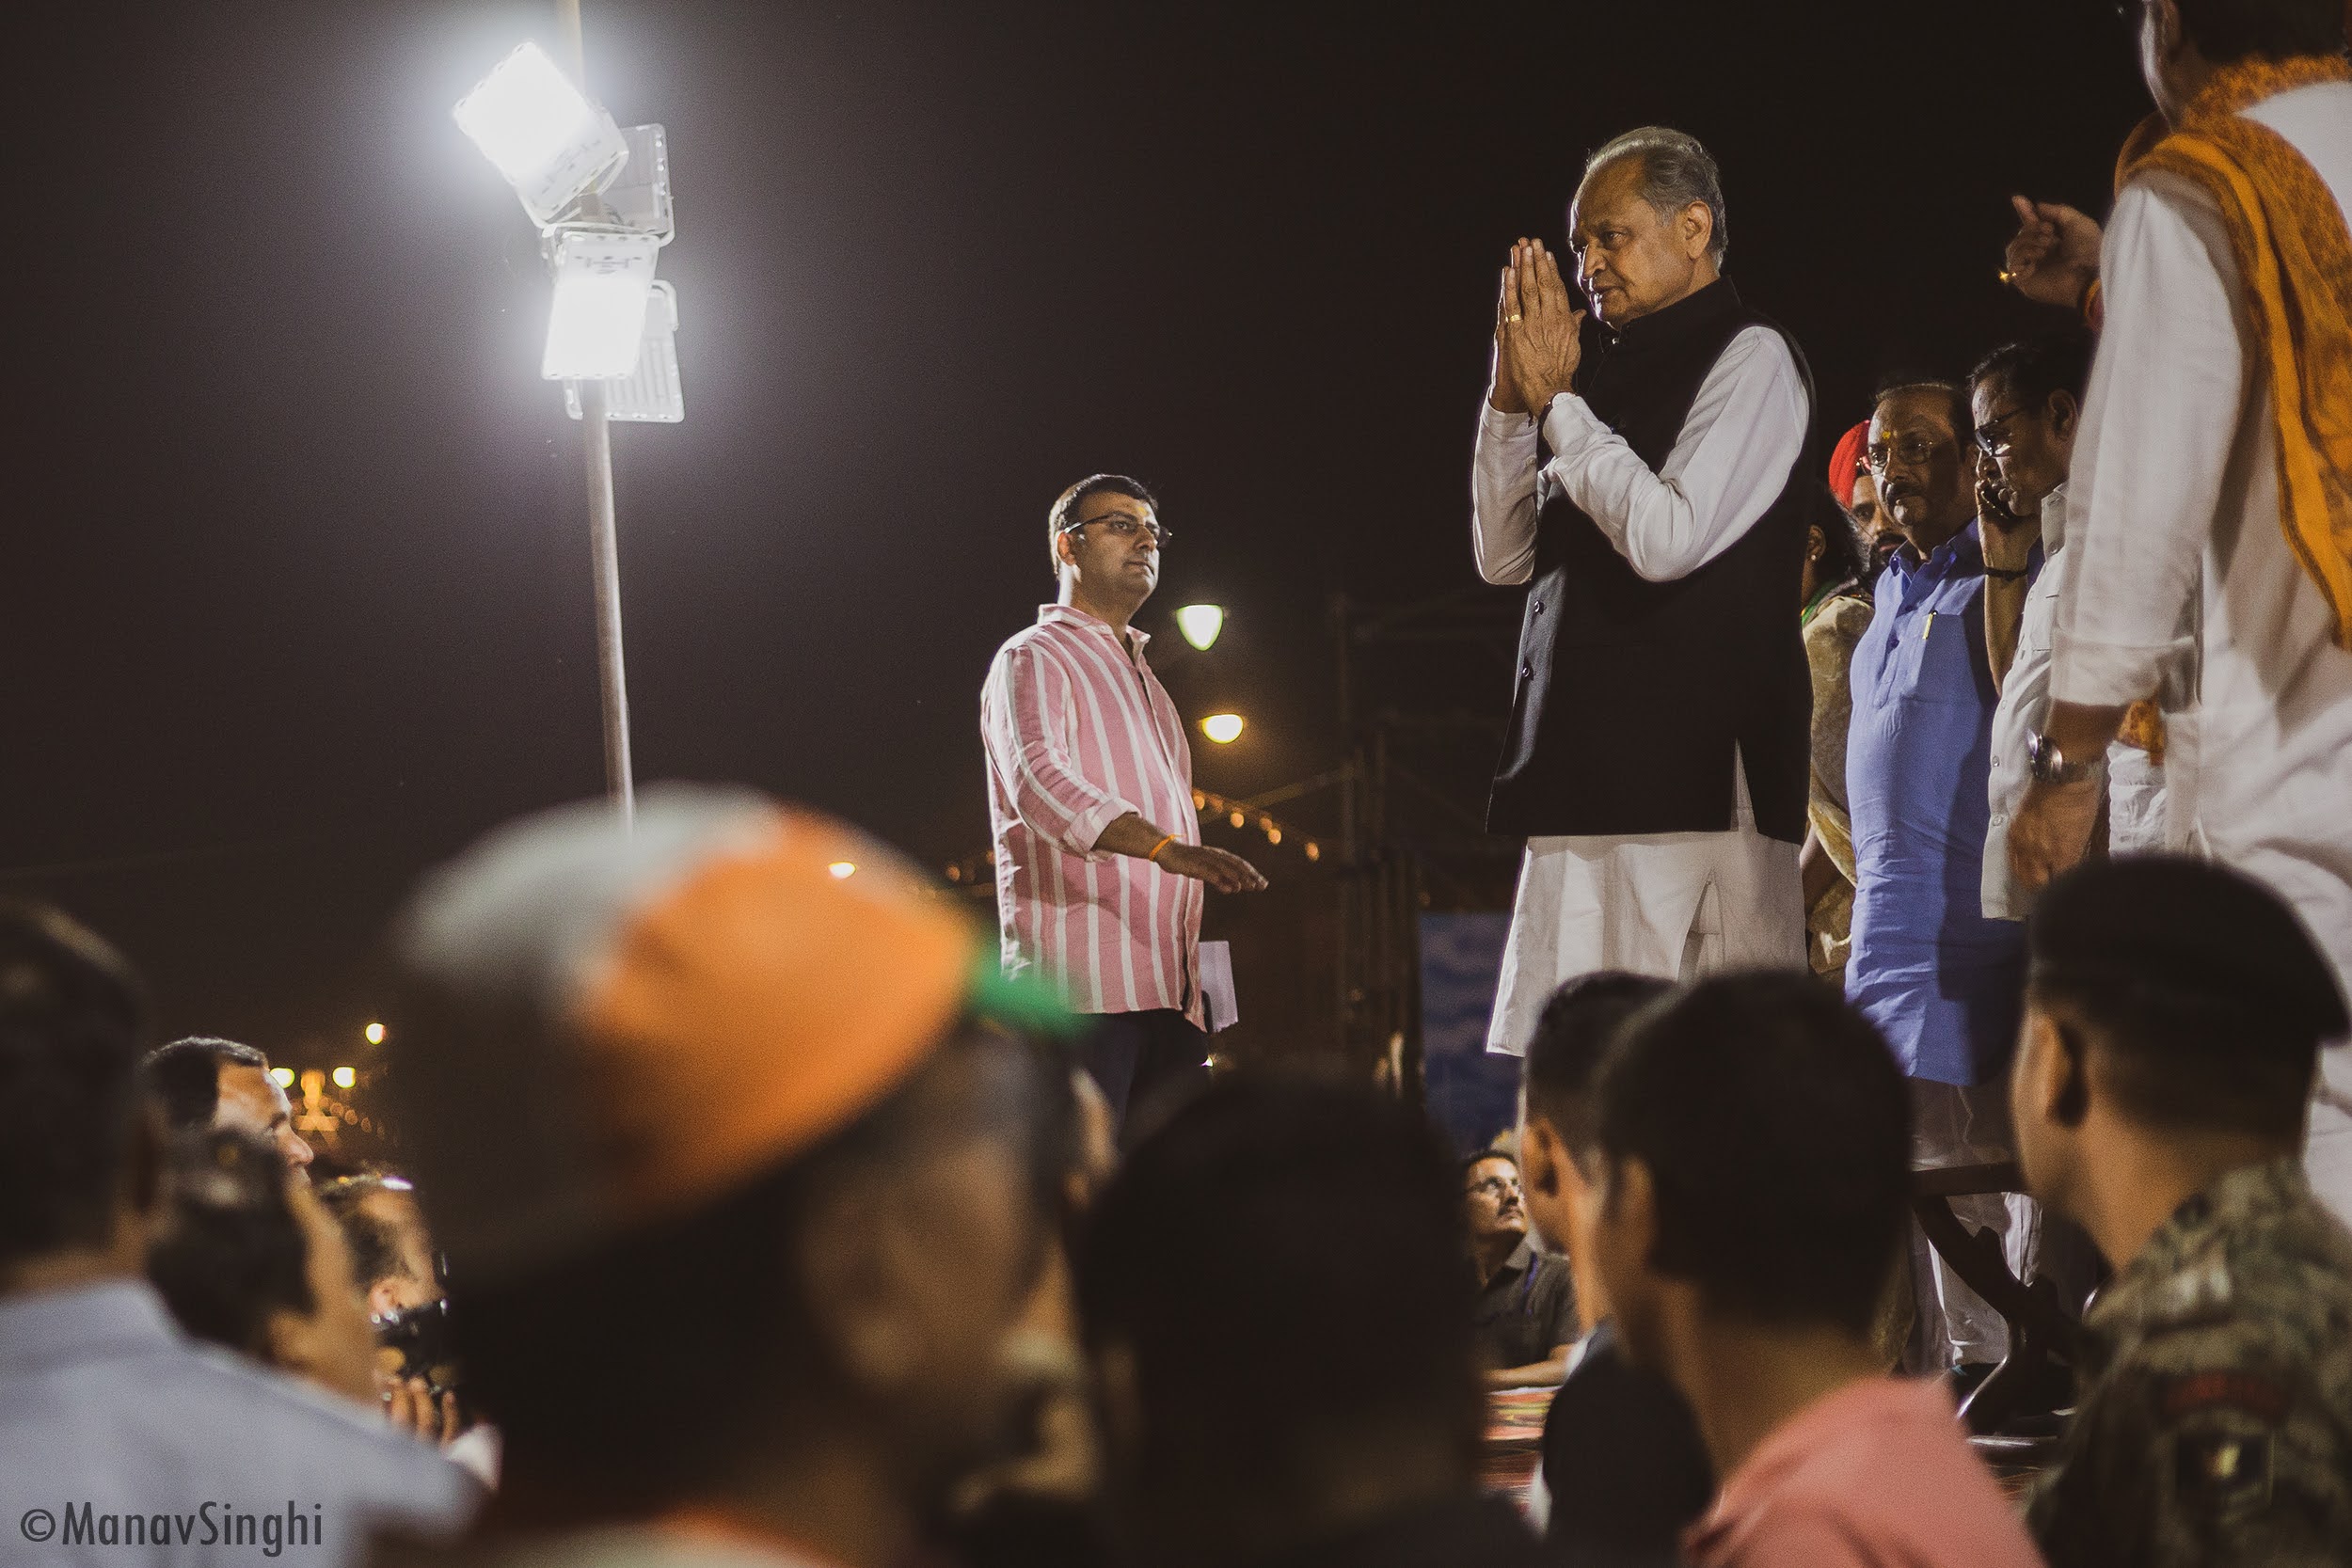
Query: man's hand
{"x":1503,"y":393}
{"x":2051,"y":831}
{"x":410,"y":1407}
{"x":1540,"y":335}
{"x":2008,"y":539}
{"x":2054,"y":254}
{"x":1226,"y":873}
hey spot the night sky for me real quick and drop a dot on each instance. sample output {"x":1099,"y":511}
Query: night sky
{"x":297,"y":596}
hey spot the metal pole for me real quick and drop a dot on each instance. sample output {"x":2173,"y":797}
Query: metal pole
{"x":604,"y":541}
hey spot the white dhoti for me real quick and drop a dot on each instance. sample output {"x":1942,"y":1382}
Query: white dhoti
{"x":1951,"y":1125}
{"x":1673,"y":905}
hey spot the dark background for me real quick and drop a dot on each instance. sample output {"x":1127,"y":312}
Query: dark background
{"x":297,"y":597}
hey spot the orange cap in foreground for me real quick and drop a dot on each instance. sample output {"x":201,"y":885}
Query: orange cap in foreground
{"x":608,"y":1027}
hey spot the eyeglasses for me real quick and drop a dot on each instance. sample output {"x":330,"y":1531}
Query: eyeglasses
{"x":1123,"y":527}
{"x":1988,"y":441}
{"x":1914,"y":449}
{"x":1494,"y":1186}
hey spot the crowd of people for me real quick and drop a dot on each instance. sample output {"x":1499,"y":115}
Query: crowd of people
{"x":752,"y":1208}
{"x":816,"y":1246}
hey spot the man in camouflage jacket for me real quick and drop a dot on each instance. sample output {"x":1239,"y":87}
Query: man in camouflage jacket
{"x":2174,"y":1016}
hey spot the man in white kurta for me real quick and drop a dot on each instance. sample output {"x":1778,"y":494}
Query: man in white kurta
{"x":2174,"y":505}
{"x":1670,"y":904}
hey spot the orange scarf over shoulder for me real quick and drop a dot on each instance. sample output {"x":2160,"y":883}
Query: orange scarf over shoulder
{"x":2295,"y":258}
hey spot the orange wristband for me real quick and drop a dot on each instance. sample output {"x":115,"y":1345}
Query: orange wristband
{"x":1154,"y":856}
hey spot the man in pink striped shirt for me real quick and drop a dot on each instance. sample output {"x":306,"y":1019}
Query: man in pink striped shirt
{"x":1099,"y":862}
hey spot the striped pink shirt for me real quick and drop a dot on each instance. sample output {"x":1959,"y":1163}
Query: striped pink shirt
{"x":1079,"y":733}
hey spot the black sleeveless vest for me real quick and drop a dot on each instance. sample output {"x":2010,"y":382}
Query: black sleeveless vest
{"x":1632,"y":695}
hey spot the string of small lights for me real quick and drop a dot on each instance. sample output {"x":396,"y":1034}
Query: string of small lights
{"x":978,"y":870}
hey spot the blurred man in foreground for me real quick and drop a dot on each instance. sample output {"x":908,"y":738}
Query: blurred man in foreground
{"x":1278,"y":1317}
{"x":2174,"y":1016}
{"x":1755,"y":1176}
{"x":744,"y":1192}
{"x":111,"y":1420}
{"x":1623,"y":1466}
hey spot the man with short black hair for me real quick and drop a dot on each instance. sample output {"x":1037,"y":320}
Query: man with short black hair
{"x":2027,"y":402}
{"x":104,"y":1404}
{"x":1526,"y":1308}
{"x":1623,"y":1467}
{"x":1657,"y":754}
{"x":2174,"y":1016}
{"x":1275,"y":1307}
{"x":1755,"y":1159}
{"x":202,"y":1082}
{"x":1100,"y":867}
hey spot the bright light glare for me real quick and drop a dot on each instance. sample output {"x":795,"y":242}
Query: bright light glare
{"x":284,"y":1075}
{"x":373,"y":1033}
{"x":1200,"y":623}
{"x":597,"y":324}
{"x":843,"y":869}
{"x":1223,"y":728}
{"x":523,"y":113}
{"x":344,"y":1078}
{"x":552,"y":145}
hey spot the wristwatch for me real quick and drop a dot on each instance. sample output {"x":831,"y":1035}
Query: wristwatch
{"x":2048,"y":765}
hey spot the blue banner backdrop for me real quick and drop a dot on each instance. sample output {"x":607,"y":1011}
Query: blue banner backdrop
{"x":1472,"y":1094}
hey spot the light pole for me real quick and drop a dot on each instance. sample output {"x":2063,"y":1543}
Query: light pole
{"x":600,"y":197}
{"x":604,"y":535}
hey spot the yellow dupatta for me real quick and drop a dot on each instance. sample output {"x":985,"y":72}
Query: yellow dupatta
{"x":2295,"y":258}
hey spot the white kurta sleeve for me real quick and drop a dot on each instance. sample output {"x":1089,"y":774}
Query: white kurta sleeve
{"x":1502,"y":496}
{"x":2166,"y":397}
{"x":1728,"y":467}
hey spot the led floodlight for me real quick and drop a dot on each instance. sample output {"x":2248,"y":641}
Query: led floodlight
{"x":542,"y":133}
{"x":597,"y":323}
{"x":653,"y":394}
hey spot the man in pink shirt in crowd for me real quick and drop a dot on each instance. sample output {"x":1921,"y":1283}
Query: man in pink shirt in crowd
{"x":1754,"y":1138}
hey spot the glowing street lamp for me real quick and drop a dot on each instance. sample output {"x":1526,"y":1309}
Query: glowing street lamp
{"x":1223,"y":728}
{"x":372,"y":1034}
{"x":542,"y":133}
{"x":282,"y":1076}
{"x":597,"y":324}
{"x":346,"y":1077}
{"x":1200,"y":623}
{"x":600,"y":197}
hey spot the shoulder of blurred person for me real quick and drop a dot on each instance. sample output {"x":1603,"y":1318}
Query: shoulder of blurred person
{"x":685,"y":1542}
{"x":1622,"y":1460}
{"x":97,"y":1383}
{"x":104,"y":1405}
{"x":2218,"y":1427}
{"x":1277,"y":1312}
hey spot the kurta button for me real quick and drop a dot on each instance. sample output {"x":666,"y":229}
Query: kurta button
{"x":1539,"y":606}
{"x":1527,"y":671}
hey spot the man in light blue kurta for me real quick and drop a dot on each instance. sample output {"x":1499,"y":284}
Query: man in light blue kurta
{"x":1940,"y":980}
